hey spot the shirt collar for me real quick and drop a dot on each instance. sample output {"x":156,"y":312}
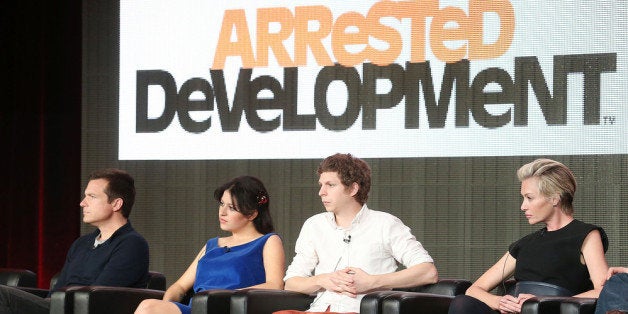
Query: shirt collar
{"x":356,"y":220}
{"x":126,"y":228}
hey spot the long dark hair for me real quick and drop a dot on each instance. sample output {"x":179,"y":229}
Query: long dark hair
{"x":250,"y":195}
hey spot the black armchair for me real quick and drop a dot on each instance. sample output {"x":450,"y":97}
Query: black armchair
{"x":98,"y":299}
{"x":415,"y":303}
{"x":266,"y":301}
{"x":563,"y":305}
{"x":212,"y":301}
{"x":22,"y":279}
{"x":15,"y":277}
{"x":578,"y":305}
{"x":106,"y":300}
{"x":249,"y":301}
{"x":450,"y":287}
{"x":433,"y":298}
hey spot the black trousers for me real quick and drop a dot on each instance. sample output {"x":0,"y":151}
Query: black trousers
{"x":464,"y":304}
{"x":13,"y":300}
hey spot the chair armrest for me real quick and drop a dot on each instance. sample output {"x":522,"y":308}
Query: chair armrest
{"x":17,"y":277}
{"x":104,"y":299}
{"x":264,"y":301}
{"x":371,"y":303}
{"x":43,"y":293}
{"x":542,"y":305}
{"x":416,"y":303}
{"x":212,"y":301}
{"x":62,"y":300}
{"x":450,"y":287}
{"x":578,"y":305}
{"x":156,"y":281}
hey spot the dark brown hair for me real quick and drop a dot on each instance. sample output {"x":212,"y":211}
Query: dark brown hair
{"x":250,"y":195}
{"x":350,"y":169}
{"x":120,"y":184}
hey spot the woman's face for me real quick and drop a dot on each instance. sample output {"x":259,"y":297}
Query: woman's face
{"x":229,"y":217}
{"x":536,"y":206}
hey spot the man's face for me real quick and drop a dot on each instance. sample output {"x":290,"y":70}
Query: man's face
{"x":96,"y":208}
{"x":334,"y":195}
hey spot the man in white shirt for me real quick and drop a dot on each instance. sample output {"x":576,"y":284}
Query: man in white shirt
{"x":350,"y":250}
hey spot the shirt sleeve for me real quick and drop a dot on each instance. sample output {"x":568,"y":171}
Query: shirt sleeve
{"x":404,"y":246}
{"x":128,"y":263}
{"x":516,"y":246}
{"x":62,"y":279}
{"x":306,"y":259}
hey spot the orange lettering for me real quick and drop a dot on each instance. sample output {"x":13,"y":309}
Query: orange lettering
{"x":419,"y":11}
{"x":304,"y":38}
{"x":453,"y":35}
{"x":273,"y":41}
{"x":477,"y":49}
{"x":341,"y":37}
{"x":440,"y":33}
{"x":234,"y":20}
{"x":384,"y":33}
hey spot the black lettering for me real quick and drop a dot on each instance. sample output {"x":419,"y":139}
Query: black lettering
{"x":230,"y":118}
{"x":421,"y":74}
{"x":554,"y":109}
{"x":145,"y":78}
{"x":292,"y":121}
{"x":591,"y":66}
{"x":186,"y":104}
{"x":351,"y":78}
{"x":481,"y":98}
{"x":255,"y":103}
{"x":370,"y":100}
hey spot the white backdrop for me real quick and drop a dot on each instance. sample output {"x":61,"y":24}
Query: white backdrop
{"x":181,"y":39}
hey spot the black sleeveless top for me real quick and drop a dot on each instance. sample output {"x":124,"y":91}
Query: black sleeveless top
{"x":554,"y":256}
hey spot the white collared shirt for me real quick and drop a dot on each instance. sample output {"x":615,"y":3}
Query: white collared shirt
{"x":378,"y":240}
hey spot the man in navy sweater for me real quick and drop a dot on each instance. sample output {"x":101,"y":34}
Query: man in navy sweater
{"x":113,"y":255}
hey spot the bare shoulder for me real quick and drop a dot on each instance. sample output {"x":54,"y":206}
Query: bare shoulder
{"x":274,"y":240}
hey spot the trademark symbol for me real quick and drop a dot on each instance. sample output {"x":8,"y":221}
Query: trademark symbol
{"x":609,"y":120}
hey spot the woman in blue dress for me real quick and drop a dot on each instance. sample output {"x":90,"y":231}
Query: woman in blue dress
{"x":251,"y":257}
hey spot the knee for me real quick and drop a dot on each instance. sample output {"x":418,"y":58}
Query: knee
{"x":617,"y":280}
{"x":147,"y":306}
{"x":466,"y":304}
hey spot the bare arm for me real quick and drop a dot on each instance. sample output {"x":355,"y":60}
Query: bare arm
{"x":615,"y":270}
{"x":335,"y":281}
{"x":274,"y":263}
{"x":180,"y":287}
{"x":417,"y":275}
{"x":593,"y":253}
{"x":352,"y":281}
{"x":480,"y":289}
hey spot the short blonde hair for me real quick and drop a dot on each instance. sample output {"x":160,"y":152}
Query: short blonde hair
{"x":554,"y":179}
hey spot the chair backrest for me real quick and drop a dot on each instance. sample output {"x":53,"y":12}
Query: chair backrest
{"x":447,"y":287}
{"x":53,"y":280}
{"x":431,"y":297}
{"x":156,"y":281}
{"x":18,"y":277}
{"x":506,"y":287}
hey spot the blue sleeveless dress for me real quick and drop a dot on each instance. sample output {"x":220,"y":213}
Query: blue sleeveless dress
{"x":229,"y":267}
